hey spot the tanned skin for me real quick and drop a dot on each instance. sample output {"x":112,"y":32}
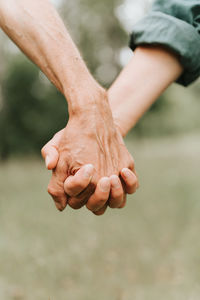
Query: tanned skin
{"x":90,"y":140}
{"x":151,"y":70}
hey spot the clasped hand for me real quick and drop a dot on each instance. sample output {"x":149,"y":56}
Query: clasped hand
{"x":90,"y":163}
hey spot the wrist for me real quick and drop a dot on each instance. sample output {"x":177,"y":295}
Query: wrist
{"x":86,"y":99}
{"x":94,"y":120}
{"x":149,"y":73}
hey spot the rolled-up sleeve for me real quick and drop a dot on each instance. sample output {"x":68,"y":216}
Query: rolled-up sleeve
{"x":174,"y":24}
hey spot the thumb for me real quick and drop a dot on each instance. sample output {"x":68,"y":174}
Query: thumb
{"x":50,"y":153}
{"x":51,"y":156}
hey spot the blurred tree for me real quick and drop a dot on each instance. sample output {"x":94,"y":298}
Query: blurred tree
{"x":30,"y":113}
{"x":32,"y":110}
{"x":98,"y":33}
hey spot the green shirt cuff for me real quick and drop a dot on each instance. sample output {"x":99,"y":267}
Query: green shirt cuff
{"x":179,"y":36}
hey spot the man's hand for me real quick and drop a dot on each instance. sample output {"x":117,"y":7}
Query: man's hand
{"x":79,"y":184}
{"x":90,"y":139}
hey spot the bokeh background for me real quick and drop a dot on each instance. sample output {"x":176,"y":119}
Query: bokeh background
{"x":148,"y":250}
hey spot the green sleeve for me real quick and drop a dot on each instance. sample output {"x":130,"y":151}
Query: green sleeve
{"x":174,"y":24}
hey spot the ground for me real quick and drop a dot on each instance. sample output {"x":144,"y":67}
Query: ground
{"x":149,"y":250}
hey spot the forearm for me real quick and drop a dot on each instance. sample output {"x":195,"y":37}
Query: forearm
{"x":143,"y":80}
{"x":37,"y":29}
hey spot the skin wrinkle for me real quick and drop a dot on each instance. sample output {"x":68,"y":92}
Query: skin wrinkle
{"x":133,"y":77}
{"x":90,"y":135}
{"x":103,"y":148}
{"x":21,"y":37}
{"x":97,"y":136}
{"x":57,"y":38}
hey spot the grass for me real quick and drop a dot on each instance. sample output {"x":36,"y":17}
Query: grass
{"x":149,"y":250}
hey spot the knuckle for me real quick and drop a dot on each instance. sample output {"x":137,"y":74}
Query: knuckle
{"x":73,"y":203}
{"x":53,"y":191}
{"x":112,"y":204}
{"x":75,"y":187}
{"x":88,"y":206}
{"x":68,"y":188}
{"x":100,"y":202}
{"x":62,"y":166}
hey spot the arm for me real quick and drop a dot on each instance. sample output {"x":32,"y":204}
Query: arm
{"x":149,"y":73}
{"x":142,"y":81}
{"x":151,"y":70}
{"x":175,"y":26}
{"x":90,"y":136}
{"x":39,"y":32}
{"x":138,"y":86}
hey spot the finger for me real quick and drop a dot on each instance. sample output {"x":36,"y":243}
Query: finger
{"x":50,"y":153}
{"x":116,"y":195}
{"x":101,"y":211}
{"x":51,"y":157}
{"x":81,"y":199}
{"x":74,"y":185}
{"x":56,"y":190}
{"x":131,"y":165}
{"x":130,"y":180}
{"x":124,"y":201}
{"x":60,"y":202}
{"x":100,"y":196}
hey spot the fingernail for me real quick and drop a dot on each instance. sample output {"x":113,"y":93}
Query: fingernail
{"x":88,"y":171}
{"x":105,"y":184}
{"x":126,"y":173}
{"x":47,"y":161}
{"x":115,"y":181}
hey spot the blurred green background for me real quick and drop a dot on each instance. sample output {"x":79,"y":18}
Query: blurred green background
{"x":148,"y":250}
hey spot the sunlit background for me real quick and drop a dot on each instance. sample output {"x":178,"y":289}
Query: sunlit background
{"x":148,"y":250}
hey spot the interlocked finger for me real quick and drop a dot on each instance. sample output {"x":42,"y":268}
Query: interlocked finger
{"x":76,"y":184}
{"x":124,"y":201}
{"x":101,"y":211}
{"x":100,"y":196}
{"x":81,"y":199}
{"x":130,"y":181}
{"x":57,"y":193}
{"x":116,"y":194}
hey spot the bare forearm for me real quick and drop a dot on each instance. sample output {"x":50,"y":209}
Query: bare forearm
{"x":143,"y":80}
{"x":37,"y":29}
